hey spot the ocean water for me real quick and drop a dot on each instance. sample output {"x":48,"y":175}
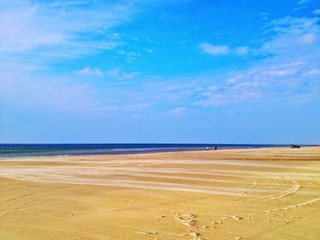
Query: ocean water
{"x":25,"y":150}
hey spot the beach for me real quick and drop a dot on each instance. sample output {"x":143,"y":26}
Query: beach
{"x":263,"y":193}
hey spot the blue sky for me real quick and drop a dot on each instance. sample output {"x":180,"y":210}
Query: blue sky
{"x":172,"y":71}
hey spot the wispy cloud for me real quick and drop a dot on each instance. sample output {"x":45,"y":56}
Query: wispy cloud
{"x":87,"y":71}
{"x":214,"y":49}
{"x":223,"y":49}
{"x":117,"y":73}
{"x":290,"y":71}
{"x":35,"y":34}
{"x":293,"y":36}
{"x":59,"y":28}
{"x":114,"y":73}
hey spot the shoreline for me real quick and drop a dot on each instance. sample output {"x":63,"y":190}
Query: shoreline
{"x":258,"y":153}
{"x":41,"y":150}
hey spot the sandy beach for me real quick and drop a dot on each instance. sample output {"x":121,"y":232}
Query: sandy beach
{"x":268,"y":193}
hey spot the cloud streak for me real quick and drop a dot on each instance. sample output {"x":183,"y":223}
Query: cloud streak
{"x":60,"y":28}
{"x":114,"y":73}
{"x":214,"y":49}
{"x":217,"y":50}
{"x":87,"y":71}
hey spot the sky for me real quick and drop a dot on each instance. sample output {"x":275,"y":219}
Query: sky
{"x":151,"y":71}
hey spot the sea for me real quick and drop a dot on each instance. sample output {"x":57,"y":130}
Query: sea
{"x":30,"y":150}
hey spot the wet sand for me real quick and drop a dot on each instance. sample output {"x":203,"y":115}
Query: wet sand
{"x":226,"y":194}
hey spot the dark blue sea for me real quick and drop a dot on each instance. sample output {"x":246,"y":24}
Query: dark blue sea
{"x":26,"y":150}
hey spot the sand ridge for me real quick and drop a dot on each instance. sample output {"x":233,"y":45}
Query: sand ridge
{"x":269,"y":193}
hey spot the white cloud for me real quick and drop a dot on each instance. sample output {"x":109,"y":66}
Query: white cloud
{"x":120,"y":75}
{"x":58,"y":29}
{"x":279,"y":72}
{"x":87,"y":71}
{"x":214,"y":49}
{"x":270,"y":80}
{"x":35,"y":34}
{"x":223,"y":49}
{"x":295,"y":36}
{"x":114,"y":73}
{"x":130,"y":56}
{"x":316,"y":12}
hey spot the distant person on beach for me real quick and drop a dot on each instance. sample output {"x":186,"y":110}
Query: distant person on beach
{"x":215,"y":148}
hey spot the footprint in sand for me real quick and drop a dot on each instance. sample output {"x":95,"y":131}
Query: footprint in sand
{"x":237,"y":218}
{"x":188,"y":220}
{"x":152,"y":233}
{"x":195,"y":235}
{"x":216,"y":223}
{"x":149,"y":233}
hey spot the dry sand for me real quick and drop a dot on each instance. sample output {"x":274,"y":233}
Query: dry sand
{"x":225,"y":194}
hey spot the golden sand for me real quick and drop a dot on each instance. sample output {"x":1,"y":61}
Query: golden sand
{"x":226,"y":194}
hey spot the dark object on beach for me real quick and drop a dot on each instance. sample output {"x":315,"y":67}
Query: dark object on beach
{"x":207,"y":148}
{"x":295,"y":146}
{"x":215,"y":148}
